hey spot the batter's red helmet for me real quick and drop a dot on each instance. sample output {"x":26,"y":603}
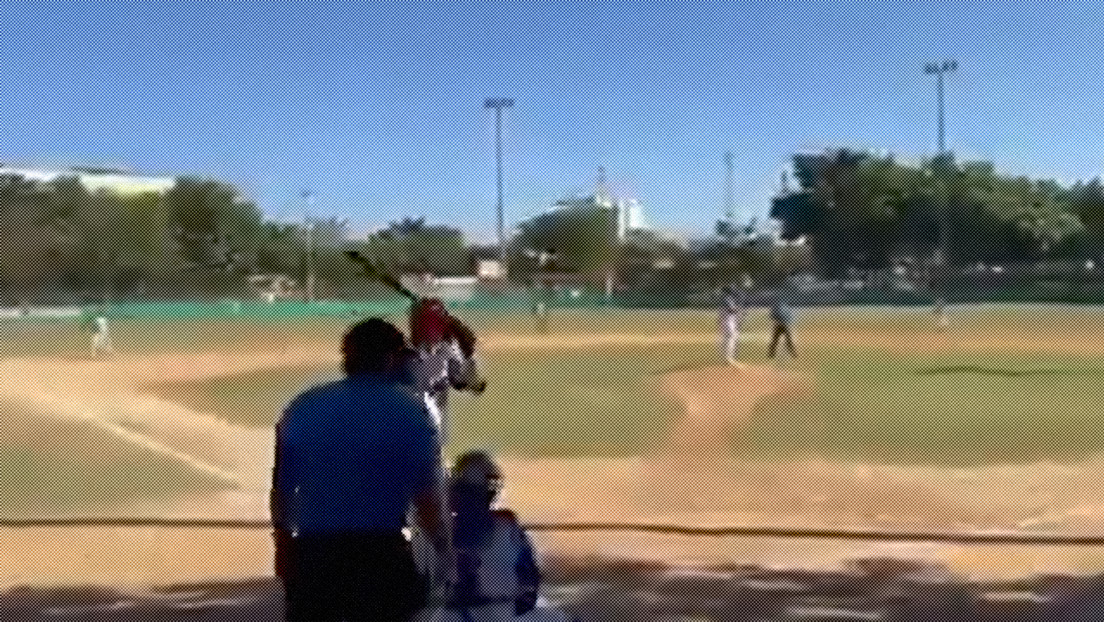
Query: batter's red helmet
{"x":429,"y":322}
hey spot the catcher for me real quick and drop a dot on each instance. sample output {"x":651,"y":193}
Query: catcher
{"x":497,"y":577}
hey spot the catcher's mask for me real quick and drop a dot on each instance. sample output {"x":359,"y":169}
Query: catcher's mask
{"x":429,"y":322}
{"x":475,"y":478}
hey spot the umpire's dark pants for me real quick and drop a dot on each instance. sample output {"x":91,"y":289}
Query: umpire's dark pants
{"x":781,"y":331}
{"x":352,"y":577}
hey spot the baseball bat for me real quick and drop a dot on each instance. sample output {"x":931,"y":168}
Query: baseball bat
{"x":374,"y":270}
{"x":463,"y":334}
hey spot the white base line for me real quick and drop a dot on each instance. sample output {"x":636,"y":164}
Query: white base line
{"x":154,"y":445}
{"x":1081,"y":511}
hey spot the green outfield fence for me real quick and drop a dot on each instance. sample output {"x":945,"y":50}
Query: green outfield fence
{"x":521,"y":301}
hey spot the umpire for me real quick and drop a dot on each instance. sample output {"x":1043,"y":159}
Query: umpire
{"x":351,"y":458}
{"x":782,"y":315}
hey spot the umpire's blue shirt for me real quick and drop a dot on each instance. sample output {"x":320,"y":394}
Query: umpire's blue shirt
{"x":352,"y":455}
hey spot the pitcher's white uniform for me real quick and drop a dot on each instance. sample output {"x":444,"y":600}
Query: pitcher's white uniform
{"x":731,"y":317}
{"x":101,"y":338}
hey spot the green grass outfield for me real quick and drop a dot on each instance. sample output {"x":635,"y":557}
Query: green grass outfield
{"x":598,"y":402}
{"x":941,"y":410}
{"x":51,"y":467}
{"x":864,"y":404}
{"x":869,"y":403}
{"x":66,"y":337}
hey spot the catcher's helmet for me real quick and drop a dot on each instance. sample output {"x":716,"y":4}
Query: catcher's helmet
{"x":429,"y":322}
{"x":476,"y":470}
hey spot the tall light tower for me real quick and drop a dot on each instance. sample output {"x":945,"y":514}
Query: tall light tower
{"x":940,"y":70}
{"x":498,"y":104}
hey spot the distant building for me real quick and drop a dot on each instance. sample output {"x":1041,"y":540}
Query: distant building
{"x":628,"y":212}
{"x":96,"y":179}
{"x":490,"y":269}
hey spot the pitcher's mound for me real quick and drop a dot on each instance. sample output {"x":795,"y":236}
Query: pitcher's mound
{"x":717,"y":400}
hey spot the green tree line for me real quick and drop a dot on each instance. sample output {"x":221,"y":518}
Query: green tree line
{"x":870,"y":212}
{"x":61,"y":243}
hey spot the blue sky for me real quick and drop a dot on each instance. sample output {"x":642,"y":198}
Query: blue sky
{"x":378,"y":106}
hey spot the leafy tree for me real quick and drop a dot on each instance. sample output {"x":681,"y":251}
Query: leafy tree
{"x":412,"y":245}
{"x":26,"y":236}
{"x":585,"y":240}
{"x":215,"y":230}
{"x":866,"y":212}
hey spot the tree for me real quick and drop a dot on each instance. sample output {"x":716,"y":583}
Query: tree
{"x":411,"y":245}
{"x":26,"y":237}
{"x":865,"y":212}
{"x":280,"y":248}
{"x":585,"y":240}
{"x":215,"y":230}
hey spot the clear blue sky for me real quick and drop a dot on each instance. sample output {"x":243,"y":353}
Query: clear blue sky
{"x":378,"y":106}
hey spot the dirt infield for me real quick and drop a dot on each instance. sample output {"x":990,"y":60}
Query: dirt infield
{"x":717,"y":400}
{"x":690,"y":480}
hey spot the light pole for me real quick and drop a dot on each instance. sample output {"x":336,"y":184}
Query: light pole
{"x":497,"y":104}
{"x":940,"y":70}
{"x":308,"y":222}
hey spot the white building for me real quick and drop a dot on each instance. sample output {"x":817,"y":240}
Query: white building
{"x":629,"y":213}
{"x":96,"y":180}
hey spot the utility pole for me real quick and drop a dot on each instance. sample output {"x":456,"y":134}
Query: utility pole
{"x":940,"y":70}
{"x":498,"y":104}
{"x":308,"y":222}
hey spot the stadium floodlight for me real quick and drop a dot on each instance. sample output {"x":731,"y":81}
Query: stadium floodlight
{"x":498,"y":104}
{"x":940,"y":70}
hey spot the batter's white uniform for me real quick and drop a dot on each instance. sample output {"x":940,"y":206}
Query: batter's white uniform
{"x":435,"y":371}
{"x":101,"y":338}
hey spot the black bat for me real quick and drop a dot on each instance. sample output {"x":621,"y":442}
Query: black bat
{"x":460,"y":331}
{"x":376,"y":271}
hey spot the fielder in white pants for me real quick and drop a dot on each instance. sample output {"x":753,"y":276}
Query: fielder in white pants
{"x":731,"y":318}
{"x":101,"y":338}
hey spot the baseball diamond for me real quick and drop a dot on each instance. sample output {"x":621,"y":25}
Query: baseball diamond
{"x":885,"y":422}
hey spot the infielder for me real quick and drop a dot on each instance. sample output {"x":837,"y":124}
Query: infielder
{"x":101,"y":338}
{"x":497,"y":575}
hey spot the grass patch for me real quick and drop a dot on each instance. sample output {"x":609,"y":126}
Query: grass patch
{"x":961,"y":410}
{"x":554,"y":403}
{"x":68,"y":338}
{"x":51,"y":467}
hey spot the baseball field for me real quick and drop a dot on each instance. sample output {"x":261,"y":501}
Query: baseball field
{"x":882,"y":421}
